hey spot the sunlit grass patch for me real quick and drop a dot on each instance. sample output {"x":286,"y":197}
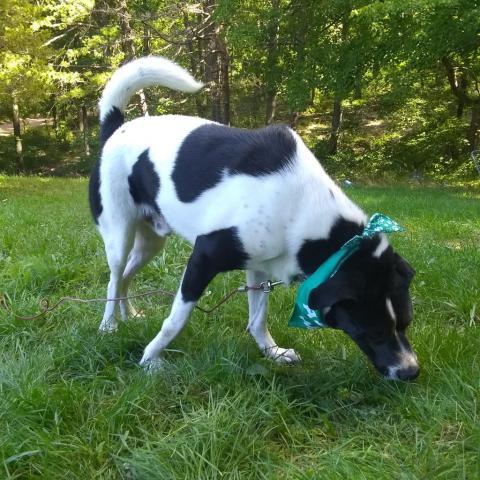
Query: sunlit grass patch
{"x":75,"y":404}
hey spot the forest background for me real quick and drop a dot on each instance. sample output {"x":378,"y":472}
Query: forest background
{"x":379,"y":90}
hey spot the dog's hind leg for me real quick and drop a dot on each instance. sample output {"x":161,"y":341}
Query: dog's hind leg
{"x":118,"y":239}
{"x":213,"y":253}
{"x":147,"y":244}
{"x":257,"y":322}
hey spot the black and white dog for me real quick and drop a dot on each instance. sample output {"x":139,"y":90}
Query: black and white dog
{"x":255,"y":200}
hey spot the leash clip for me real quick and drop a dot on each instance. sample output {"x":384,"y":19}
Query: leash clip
{"x":265,"y":287}
{"x":268,"y":286}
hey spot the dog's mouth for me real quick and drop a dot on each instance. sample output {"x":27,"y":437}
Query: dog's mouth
{"x":406,"y":368}
{"x":402,"y":373}
{"x":393,"y":359}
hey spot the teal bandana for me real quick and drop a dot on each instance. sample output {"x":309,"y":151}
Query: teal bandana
{"x":305,"y":317}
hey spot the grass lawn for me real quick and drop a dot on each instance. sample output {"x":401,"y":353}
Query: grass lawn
{"x":75,"y":405}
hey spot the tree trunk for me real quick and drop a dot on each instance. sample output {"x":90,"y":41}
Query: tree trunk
{"x":128,"y":48}
{"x":84,"y":129}
{"x":17,"y":133}
{"x":337,"y":104}
{"x":271,"y":105}
{"x":336,"y":123}
{"x":195,"y":56}
{"x":472,"y":134}
{"x":463,"y":87}
{"x":142,"y":102}
{"x":146,"y":40}
{"x":212,"y":76}
{"x":55,"y":119}
{"x":294,"y":120}
{"x":54,"y":111}
{"x":146,"y":50}
{"x":358,"y":90}
{"x":225,"y":76}
{"x":272,"y":61}
{"x":216,"y":68}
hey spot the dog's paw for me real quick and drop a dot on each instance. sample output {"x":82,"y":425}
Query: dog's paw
{"x":153,"y":365}
{"x":283,"y":356}
{"x":108,"y":326}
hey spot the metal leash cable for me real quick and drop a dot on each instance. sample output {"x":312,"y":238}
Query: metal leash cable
{"x":265,"y":287}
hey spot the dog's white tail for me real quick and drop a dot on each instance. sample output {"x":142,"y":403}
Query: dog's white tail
{"x":133,"y":76}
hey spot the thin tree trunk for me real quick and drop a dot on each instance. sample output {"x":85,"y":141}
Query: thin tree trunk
{"x":337,"y":105}
{"x":225,"y":77}
{"x":146,"y":40}
{"x":271,"y":105}
{"x":472,"y":134}
{"x":462,"y":86}
{"x":336,"y":122}
{"x":146,"y":50}
{"x":195,"y":56}
{"x":272,"y":60}
{"x":459,"y":87}
{"x":142,"y":102}
{"x":84,"y":129}
{"x":212,"y":76}
{"x":294,"y":120}
{"x":17,"y":133}
{"x":358,"y":90}
{"x":128,"y":48}
{"x":216,"y":68}
{"x":54,"y":111}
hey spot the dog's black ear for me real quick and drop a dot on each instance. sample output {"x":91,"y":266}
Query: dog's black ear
{"x":332,"y":291}
{"x":404,"y":268}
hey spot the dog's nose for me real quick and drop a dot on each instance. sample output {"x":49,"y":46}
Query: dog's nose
{"x":406,"y":373}
{"x":409,"y":373}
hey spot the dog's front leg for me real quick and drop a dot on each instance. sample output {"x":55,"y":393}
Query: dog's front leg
{"x":211,"y":254}
{"x":257,"y":322}
{"x":171,"y":327}
{"x":182,"y":307}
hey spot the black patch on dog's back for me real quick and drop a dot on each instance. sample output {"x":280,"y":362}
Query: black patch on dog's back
{"x":94,"y":192}
{"x":314,"y":252}
{"x":144,"y":182}
{"x":212,"y":150}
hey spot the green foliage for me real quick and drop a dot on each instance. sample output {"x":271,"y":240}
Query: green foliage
{"x":24,"y":67}
{"x":406,"y":72}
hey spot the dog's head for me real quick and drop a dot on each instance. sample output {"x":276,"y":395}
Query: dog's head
{"x":369,"y":299}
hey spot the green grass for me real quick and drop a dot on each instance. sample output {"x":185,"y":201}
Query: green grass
{"x":74,"y":404}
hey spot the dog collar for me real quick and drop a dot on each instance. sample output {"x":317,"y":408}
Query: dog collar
{"x":303,"y":316}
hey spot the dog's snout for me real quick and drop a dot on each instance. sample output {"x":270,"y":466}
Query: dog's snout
{"x":410,"y":373}
{"x":406,"y":373}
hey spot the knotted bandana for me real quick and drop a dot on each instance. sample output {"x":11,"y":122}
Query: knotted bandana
{"x":303,"y":316}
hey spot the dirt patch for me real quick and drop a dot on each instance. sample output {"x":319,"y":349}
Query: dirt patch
{"x":6,"y":128}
